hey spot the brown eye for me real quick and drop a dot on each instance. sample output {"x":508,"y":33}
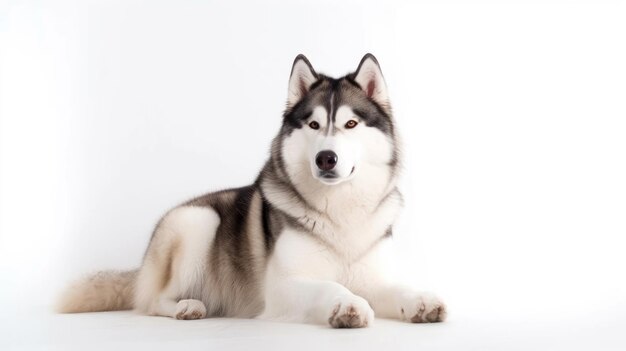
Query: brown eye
{"x":314,"y":125}
{"x":351,"y":124}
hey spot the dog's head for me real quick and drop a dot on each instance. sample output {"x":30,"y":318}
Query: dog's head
{"x":337,"y":129}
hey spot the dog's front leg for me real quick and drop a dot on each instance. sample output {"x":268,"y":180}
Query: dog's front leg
{"x":300,"y":286}
{"x":315,"y":301}
{"x":386,"y":292}
{"x":407,"y":304}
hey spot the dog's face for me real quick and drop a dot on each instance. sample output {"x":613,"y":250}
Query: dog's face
{"x":337,"y":129}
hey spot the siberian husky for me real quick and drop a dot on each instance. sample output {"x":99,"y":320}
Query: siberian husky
{"x":307,"y":242}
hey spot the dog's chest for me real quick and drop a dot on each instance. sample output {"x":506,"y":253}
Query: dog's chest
{"x":353,"y":234}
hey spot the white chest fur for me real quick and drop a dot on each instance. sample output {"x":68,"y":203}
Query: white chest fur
{"x":350,"y":229}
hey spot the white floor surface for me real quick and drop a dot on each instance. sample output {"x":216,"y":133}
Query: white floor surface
{"x":129,"y":331}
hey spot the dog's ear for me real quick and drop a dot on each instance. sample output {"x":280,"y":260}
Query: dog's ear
{"x":370,"y":78}
{"x":302,"y":77}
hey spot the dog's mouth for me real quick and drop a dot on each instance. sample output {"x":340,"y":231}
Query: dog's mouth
{"x":328,"y":175}
{"x":332,"y":178}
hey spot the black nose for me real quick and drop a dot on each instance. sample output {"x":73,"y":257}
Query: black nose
{"x":326,"y":160}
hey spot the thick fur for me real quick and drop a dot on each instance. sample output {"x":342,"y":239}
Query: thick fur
{"x":303,"y":243}
{"x":103,"y":291}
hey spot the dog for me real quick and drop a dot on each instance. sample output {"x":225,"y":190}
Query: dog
{"x":308,"y":242}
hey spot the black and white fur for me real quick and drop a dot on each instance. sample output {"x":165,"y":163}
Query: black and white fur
{"x":307,"y":242}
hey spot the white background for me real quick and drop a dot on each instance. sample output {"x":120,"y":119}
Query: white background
{"x":513,"y":117}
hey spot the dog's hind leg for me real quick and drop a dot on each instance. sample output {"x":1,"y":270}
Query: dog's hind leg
{"x":172,"y":280}
{"x":183,"y":309}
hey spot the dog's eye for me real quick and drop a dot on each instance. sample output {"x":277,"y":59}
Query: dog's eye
{"x":351,"y":124}
{"x":314,"y":125}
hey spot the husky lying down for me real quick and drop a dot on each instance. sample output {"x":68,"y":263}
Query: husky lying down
{"x":307,"y":242}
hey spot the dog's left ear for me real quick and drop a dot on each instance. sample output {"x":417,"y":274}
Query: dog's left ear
{"x":370,"y":78}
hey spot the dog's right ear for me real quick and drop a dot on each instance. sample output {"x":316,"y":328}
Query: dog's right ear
{"x":302,"y":77}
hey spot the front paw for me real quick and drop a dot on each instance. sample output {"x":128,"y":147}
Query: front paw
{"x":351,"y":311}
{"x":423,"y":308}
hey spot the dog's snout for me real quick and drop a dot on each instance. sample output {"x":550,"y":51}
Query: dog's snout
{"x":326,"y":160}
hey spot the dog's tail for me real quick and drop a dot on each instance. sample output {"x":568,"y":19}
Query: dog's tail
{"x":103,"y":291}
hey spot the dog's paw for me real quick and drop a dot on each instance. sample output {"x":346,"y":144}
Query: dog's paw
{"x":190,"y":309}
{"x":351,"y":311}
{"x":422,"y":308}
